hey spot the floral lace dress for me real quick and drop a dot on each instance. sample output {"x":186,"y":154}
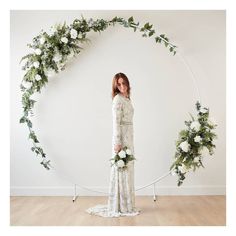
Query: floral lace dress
{"x":121,"y":199}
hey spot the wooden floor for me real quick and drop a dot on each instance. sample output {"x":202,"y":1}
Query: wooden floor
{"x":167,"y":211}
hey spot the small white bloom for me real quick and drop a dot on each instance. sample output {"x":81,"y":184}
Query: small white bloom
{"x":42,"y":40}
{"x":185,"y":146}
{"x":27,"y":84}
{"x":204,"y":151}
{"x":36,"y":64}
{"x":195,"y":125}
{"x":203,"y":110}
{"x":73,"y":33}
{"x":128,"y":151}
{"x":57,"y":57}
{"x":38,"y":77}
{"x":64,"y":40}
{"x":122,"y":154}
{"x":182,"y":169}
{"x":120,"y":163}
{"x":197,"y":139}
{"x":196,"y":159}
{"x":38,"y":51}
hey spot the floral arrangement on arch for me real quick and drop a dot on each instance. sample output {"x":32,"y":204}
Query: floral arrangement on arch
{"x":194,"y":143}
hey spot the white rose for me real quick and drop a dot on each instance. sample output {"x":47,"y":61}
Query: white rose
{"x":42,"y":40}
{"x":195,"y":125}
{"x":128,"y":151}
{"x":120,"y":163}
{"x":182,"y":169}
{"x":185,"y":146}
{"x":203,"y":110}
{"x":64,"y":40}
{"x":122,"y":154}
{"x":36,"y":64}
{"x":197,"y":139}
{"x":204,"y":151}
{"x":27,"y":84}
{"x":38,"y":51}
{"x":73,"y":33}
{"x":38,"y":77}
{"x":57,"y":57}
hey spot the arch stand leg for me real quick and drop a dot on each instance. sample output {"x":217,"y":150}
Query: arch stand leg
{"x":75,"y":194}
{"x":154,"y":193}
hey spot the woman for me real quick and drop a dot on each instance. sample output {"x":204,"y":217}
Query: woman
{"x":121,"y":200}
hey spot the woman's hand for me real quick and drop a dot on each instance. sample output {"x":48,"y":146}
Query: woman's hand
{"x":117,"y":148}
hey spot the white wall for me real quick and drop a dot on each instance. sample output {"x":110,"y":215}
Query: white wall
{"x":73,"y":113}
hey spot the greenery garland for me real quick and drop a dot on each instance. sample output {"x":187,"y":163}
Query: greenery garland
{"x":53,"y":49}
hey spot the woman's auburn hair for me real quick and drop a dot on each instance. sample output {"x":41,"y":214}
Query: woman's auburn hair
{"x":115,"y":89}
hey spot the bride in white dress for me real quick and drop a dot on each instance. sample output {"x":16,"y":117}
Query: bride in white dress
{"x":121,"y":199}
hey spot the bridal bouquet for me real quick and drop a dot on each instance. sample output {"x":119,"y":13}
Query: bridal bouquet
{"x":122,"y":158}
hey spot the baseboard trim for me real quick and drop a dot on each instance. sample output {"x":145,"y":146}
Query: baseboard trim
{"x":69,"y":191}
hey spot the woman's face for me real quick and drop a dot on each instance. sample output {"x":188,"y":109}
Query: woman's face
{"x":122,"y":86}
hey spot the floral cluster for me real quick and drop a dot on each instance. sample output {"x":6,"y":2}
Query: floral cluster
{"x":194,"y":143}
{"x":122,"y":158}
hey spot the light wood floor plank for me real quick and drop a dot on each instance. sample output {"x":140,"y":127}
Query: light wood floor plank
{"x":167,"y":211}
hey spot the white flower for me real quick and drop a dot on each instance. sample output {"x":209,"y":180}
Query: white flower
{"x":182,"y":169}
{"x":27,"y":84}
{"x":185,"y":146}
{"x":42,"y":40}
{"x":73,"y":33}
{"x":204,"y":151}
{"x":38,"y":77}
{"x":196,"y":159}
{"x":64,"y":40}
{"x":38,"y":51}
{"x":203,"y":110}
{"x":197,"y":139}
{"x":57,"y":57}
{"x":195,"y":125}
{"x":128,"y":151}
{"x":122,"y":154}
{"x":120,"y":163}
{"x":36,"y":64}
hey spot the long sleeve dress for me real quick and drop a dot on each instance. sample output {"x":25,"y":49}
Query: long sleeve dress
{"x":121,"y":199}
